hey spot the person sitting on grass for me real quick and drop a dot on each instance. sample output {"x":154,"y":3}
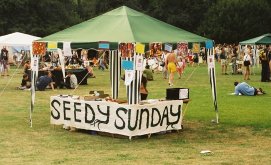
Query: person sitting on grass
{"x":71,"y":81}
{"x":148,"y":72}
{"x":26,"y":84}
{"x":247,"y":90}
{"x":44,"y":81}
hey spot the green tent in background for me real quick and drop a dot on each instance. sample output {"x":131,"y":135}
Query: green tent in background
{"x":261,"y":40}
{"x":122,"y":24}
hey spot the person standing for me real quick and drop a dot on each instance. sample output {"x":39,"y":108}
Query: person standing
{"x":247,"y":63}
{"x":234,"y":59}
{"x":4,"y":61}
{"x":224,"y":62}
{"x":171,"y":66}
{"x":179,"y":66}
{"x":165,"y":73}
{"x":265,"y":66}
{"x":27,"y":66}
{"x":268,"y":54}
{"x":143,"y":88}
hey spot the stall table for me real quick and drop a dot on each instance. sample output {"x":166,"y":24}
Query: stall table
{"x":58,"y":75}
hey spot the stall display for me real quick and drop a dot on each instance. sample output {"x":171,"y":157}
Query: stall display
{"x":58,"y":75}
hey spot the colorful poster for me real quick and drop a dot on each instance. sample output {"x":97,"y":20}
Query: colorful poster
{"x":196,"y":48}
{"x":155,"y":49}
{"x":126,"y":49}
{"x":182,"y":49}
{"x":39,"y":48}
{"x":140,"y":48}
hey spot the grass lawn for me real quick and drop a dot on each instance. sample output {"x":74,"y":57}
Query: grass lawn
{"x":242,"y":136}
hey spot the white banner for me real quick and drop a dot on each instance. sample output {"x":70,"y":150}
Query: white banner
{"x":62,"y":63}
{"x":211,"y":59}
{"x":35,"y":63}
{"x":129,"y":76}
{"x":67,"y":49}
{"x":139,"y":62}
{"x":123,"y":119}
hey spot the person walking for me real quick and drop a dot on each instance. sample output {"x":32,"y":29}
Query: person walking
{"x":4,"y":61}
{"x":171,"y":66}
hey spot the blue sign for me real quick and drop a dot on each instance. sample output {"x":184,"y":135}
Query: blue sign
{"x":103,"y":45}
{"x":127,"y":65}
{"x":209,"y":44}
{"x":168,"y":47}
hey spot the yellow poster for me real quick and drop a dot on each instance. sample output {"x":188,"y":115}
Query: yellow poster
{"x":140,"y":48}
{"x":196,"y":48}
{"x":52,"y":45}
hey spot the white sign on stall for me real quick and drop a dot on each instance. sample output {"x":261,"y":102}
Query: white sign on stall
{"x":67,"y":49}
{"x":123,"y":119}
{"x":129,"y":76}
{"x":139,"y":63}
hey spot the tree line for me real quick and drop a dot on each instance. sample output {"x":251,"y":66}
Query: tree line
{"x":225,"y":21}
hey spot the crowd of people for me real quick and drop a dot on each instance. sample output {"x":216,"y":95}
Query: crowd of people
{"x":242,"y":60}
{"x":233,"y":59}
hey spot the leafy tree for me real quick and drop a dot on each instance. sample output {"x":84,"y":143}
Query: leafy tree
{"x":37,"y":18}
{"x":221,"y":20}
{"x":236,"y":20}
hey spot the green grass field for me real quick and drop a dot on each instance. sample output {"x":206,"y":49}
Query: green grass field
{"x":242,"y":136}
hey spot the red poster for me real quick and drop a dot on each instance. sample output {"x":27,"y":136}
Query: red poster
{"x":39,"y":48}
{"x":126,"y":49}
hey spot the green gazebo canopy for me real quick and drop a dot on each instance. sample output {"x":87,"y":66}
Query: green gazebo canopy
{"x":122,"y":24}
{"x":261,"y":40}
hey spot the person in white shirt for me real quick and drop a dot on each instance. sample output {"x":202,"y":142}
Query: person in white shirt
{"x":247,"y":63}
{"x":71,"y":81}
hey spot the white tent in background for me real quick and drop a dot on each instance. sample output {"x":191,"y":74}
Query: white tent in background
{"x":16,"y":42}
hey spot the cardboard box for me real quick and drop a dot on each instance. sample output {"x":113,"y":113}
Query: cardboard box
{"x":177,"y":94}
{"x":90,"y":98}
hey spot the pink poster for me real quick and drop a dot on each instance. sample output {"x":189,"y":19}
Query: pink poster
{"x":182,"y":49}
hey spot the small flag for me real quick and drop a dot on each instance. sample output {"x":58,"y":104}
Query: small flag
{"x":209,"y":44}
{"x":52,"y":45}
{"x":127,"y":65}
{"x":140,"y":48}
